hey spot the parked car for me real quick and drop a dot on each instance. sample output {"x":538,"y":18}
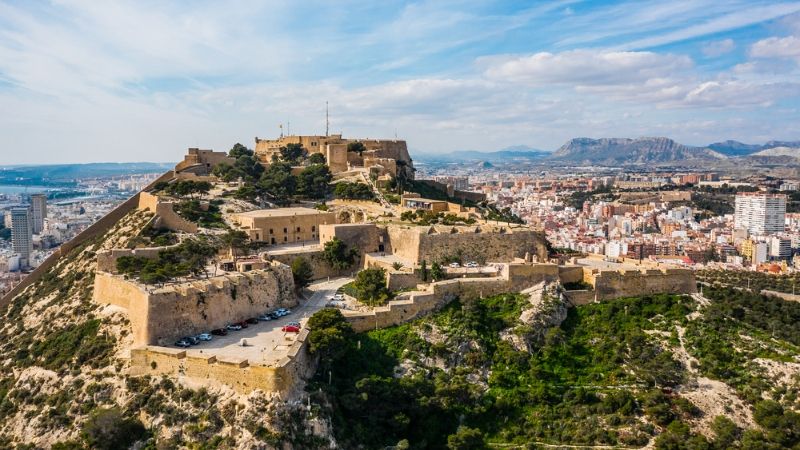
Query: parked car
{"x":472,"y":264}
{"x":293,"y":324}
{"x":290,"y":329}
{"x":264,"y":317}
{"x":219,"y":332}
{"x":191,"y":339}
{"x":242,"y":324}
{"x":338,"y":297}
{"x":252,"y":320}
{"x":183,"y":343}
{"x":204,"y":336}
{"x":283,"y":312}
{"x":455,"y":265}
{"x":234,"y":327}
{"x":274,"y":315}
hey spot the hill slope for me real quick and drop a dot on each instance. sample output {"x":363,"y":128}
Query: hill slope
{"x":63,"y":375}
{"x":664,"y":370}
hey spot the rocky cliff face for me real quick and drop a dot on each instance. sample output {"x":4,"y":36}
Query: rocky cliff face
{"x":622,"y":151}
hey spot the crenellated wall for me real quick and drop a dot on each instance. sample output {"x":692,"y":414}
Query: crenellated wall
{"x":161,"y":315}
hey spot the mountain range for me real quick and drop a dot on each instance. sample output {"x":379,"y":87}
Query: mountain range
{"x":639,"y":151}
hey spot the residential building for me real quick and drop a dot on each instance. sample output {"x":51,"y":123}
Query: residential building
{"x":38,"y":212}
{"x":22,"y":235}
{"x":760,"y":213}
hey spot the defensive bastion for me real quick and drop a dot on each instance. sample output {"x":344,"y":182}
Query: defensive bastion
{"x":159,"y":315}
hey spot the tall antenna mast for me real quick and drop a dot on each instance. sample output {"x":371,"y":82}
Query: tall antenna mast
{"x":327,"y":121}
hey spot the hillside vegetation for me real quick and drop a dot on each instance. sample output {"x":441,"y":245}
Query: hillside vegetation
{"x":64,"y":382}
{"x":627,"y":372}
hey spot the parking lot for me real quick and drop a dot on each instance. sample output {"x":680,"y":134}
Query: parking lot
{"x":266,"y":343}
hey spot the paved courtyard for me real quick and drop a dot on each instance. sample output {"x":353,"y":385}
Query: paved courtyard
{"x":266,"y":343}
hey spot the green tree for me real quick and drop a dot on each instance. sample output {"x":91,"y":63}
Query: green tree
{"x":329,"y":335}
{"x":338,"y":255}
{"x":301,"y":272}
{"x":437,"y":273}
{"x":239,"y":150}
{"x":314,"y":181}
{"x":316,"y":158}
{"x":110,"y":429}
{"x":726,"y":433}
{"x":370,"y":286}
{"x":466,"y":438}
{"x":190,"y":188}
{"x":278,"y":181}
{"x":235,"y":240}
{"x":292,"y":153}
{"x":356,"y":147}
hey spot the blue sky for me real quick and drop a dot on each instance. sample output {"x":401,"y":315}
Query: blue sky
{"x":88,"y":81}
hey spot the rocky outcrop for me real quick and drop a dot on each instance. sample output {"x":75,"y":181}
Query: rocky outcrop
{"x":548,"y":308}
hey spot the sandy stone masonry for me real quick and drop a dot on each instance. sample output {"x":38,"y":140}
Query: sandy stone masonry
{"x":237,"y":373}
{"x":161,"y":315}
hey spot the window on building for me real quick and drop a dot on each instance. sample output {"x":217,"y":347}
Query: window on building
{"x":285,"y":230}
{"x":313,"y":228}
{"x":298,"y":229}
{"x":285,"y":239}
{"x":270,"y":231}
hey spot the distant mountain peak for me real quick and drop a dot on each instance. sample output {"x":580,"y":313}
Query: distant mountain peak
{"x":620,"y":151}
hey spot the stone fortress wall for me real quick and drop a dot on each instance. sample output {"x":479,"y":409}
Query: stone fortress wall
{"x":609,"y":284}
{"x":237,"y":373}
{"x":437,"y":243}
{"x":160,"y":315}
{"x":166,"y":217}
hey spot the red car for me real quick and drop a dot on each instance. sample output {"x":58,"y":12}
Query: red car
{"x":290,"y":329}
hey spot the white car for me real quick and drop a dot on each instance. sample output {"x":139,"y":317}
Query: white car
{"x":204,"y":336}
{"x":338,"y":297}
{"x":455,"y":265}
{"x":472,"y":265}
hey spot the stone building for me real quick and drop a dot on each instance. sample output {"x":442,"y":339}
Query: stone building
{"x":284,"y":225}
{"x":202,"y":162}
{"x":389,"y":155}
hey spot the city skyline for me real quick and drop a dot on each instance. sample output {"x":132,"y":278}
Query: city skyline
{"x":131,"y":82}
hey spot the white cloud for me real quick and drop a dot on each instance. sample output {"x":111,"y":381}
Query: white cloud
{"x":777,"y":47}
{"x":714,"y":49}
{"x":585,"y":67}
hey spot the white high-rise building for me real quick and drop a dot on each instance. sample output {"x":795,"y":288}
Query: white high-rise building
{"x":22,"y":235}
{"x":38,"y":212}
{"x":760,"y":213}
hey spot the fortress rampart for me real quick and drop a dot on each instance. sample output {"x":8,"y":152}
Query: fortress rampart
{"x":240,"y":374}
{"x":439,"y":243}
{"x":166,"y":217}
{"x":161,"y":315}
{"x":610,"y":284}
